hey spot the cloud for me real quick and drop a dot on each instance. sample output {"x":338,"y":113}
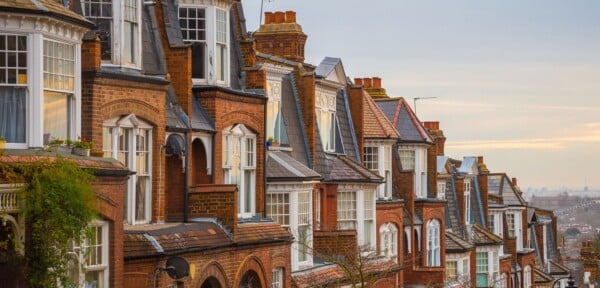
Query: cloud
{"x":557,"y":143}
{"x":592,"y":124}
{"x":567,"y":108}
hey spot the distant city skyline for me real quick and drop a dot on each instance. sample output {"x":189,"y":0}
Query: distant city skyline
{"x":516,"y":82}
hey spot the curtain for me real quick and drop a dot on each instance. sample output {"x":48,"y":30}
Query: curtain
{"x":12,"y":113}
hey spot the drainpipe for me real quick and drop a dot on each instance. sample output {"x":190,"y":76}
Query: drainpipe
{"x":264,"y":212}
{"x":186,"y":181}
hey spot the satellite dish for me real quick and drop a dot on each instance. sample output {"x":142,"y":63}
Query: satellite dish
{"x":177,"y":267}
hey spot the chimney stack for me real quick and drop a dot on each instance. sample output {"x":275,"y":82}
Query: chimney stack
{"x":479,"y":159}
{"x":358,"y":81}
{"x":281,"y":36}
{"x":376,"y":82}
{"x":514,"y":181}
{"x":368,"y":82}
{"x":433,"y":127}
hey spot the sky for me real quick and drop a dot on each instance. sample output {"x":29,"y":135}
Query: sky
{"x":517,"y":82}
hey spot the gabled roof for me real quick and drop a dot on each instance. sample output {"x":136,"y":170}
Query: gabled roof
{"x":331,"y":69}
{"x":376,"y":125}
{"x":200,"y":118}
{"x":456,"y":244}
{"x":404,"y":120}
{"x":500,"y":185}
{"x":49,"y":7}
{"x":482,"y":236}
{"x":558,"y":269}
{"x":281,"y":166}
{"x":340,"y":168}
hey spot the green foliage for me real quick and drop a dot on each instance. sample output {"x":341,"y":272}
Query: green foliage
{"x":58,"y":205}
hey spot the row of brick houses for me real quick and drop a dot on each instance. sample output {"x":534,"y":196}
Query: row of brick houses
{"x":225,"y":148}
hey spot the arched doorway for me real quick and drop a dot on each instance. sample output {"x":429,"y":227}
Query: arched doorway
{"x":211,"y":282}
{"x":175,"y":178}
{"x":250,"y":280}
{"x":199,"y":169}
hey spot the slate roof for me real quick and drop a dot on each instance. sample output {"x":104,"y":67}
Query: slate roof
{"x":327,"y":66}
{"x":155,"y":239}
{"x":171,"y":23}
{"x":456,"y":244}
{"x":175,"y":118}
{"x":292,"y":118}
{"x":282,"y":166}
{"x":404,"y":120}
{"x":98,"y":165}
{"x":236,"y":61}
{"x":153,"y":56}
{"x":376,"y":125}
{"x":48,"y":7}
{"x":329,"y":274}
{"x":467,"y":164}
{"x":340,"y":168}
{"x":558,"y":269}
{"x":500,"y":185}
{"x":482,"y":236}
{"x":345,"y":127}
{"x":200,"y":118}
{"x":441,"y":164}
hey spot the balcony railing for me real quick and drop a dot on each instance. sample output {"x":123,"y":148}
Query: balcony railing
{"x":8,"y":200}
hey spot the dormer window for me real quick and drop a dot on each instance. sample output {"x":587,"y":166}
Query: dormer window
{"x":206,"y":28}
{"x":274,"y":118}
{"x":377,"y":158}
{"x":325,"y":104}
{"x":117,"y":26}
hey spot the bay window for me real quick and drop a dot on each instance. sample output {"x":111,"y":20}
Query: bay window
{"x":239,"y":166}
{"x":59,"y":86}
{"x":495,"y":223}
{"x":414,"y":158}
{"x":482,"y":269}
{"x":89,"y":266}
{"x":433,"y":243}
{"x":451,"y":271}
{"x":206,"y":28}
{"x":356,"y":211}
{"x":118,"y":27}
{"x":291,"y":207}
{"x":346,"y":210}
{"x":368,"y":228}
{"x":129,"y":140}
{"x":513,"y":220}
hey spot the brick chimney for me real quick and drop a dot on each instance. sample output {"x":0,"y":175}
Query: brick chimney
{"x":514,"y":182}
{"x":433,"y":127}
{"x":281,"y":36}
{"x":482,"y":181}
{"x":373,"y":87}
{"x":358,"y":81}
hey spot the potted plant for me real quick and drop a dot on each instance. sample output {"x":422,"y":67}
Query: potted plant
{"x":81,"y":147}
{"x":59,"y":146}
{"x":2,"y":143}
{"x":269,"y":142}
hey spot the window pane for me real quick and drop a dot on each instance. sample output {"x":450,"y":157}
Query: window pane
{"x":278,"y":208}
{"x":198,"y":60}
{"x":56,"y":115}
{"x":100,"y":12}
{"x":12,"y":113}
{"x":141,"y":191}
{"x":59,"y":66}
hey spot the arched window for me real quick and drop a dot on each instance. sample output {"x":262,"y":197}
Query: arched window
{"x":527,"y":277}
{"x":433,"y":243}
{"x":239,"y":166}
{"x":388,"y":236}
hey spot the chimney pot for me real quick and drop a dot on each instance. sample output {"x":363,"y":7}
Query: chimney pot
{"x":358,"y":81}
{"x":376,"y":82}
{"x":279,"y":17}
{"x":368,"y":82}
{"x":269,"y":17}
{"x":432,"y":125}
{"x":290,"y":17}
{"x":480,"y":159}
{"x":514,"y":181}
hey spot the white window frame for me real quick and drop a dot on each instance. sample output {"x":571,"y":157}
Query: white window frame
{"x":441,"y":190}
{"x":277,"y":277}
{"x":378,"y":160}
{"x":527,"y":276}
{"x":80,"y":255}
{"x":131,"y":127}
{"x":297,"y":215}
{"x":433,"y":243}
{"x":358,"y":197}
{"x":212,"y":43}
{"x":388,"y":241}
{"x":498,"y":225}
{"x":34,"y":107}
{"x":325,"y":109}
{"x":235,"y":143}
{"x":516,"y":215}
{"x":274,"y":103}
{"x":118,"y":34}
{"x":419,"y":168}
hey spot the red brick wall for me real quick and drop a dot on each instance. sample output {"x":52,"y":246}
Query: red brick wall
{"x":482,"y":180}
{"x":327,"y":244}
{"x":403,"y":187}
{"x":505,"y":267}
{"x":422,"y":274}
{"x":229,"y":109}
{"x":328,"y":206}
{"x":105,"y":98}
{"x":306,"y":90}
{"x":111,"y":191}
{"x":174,"y":188}
{"x":355,"y":99}
{"x":524,"y":260}
{"x":228,"y":265}
{"x":459,"y":186}
{"x":215,"y":201}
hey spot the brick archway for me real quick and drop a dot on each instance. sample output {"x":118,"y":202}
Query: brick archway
{"x":250,"y":265}
{"x":212,"y":275}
